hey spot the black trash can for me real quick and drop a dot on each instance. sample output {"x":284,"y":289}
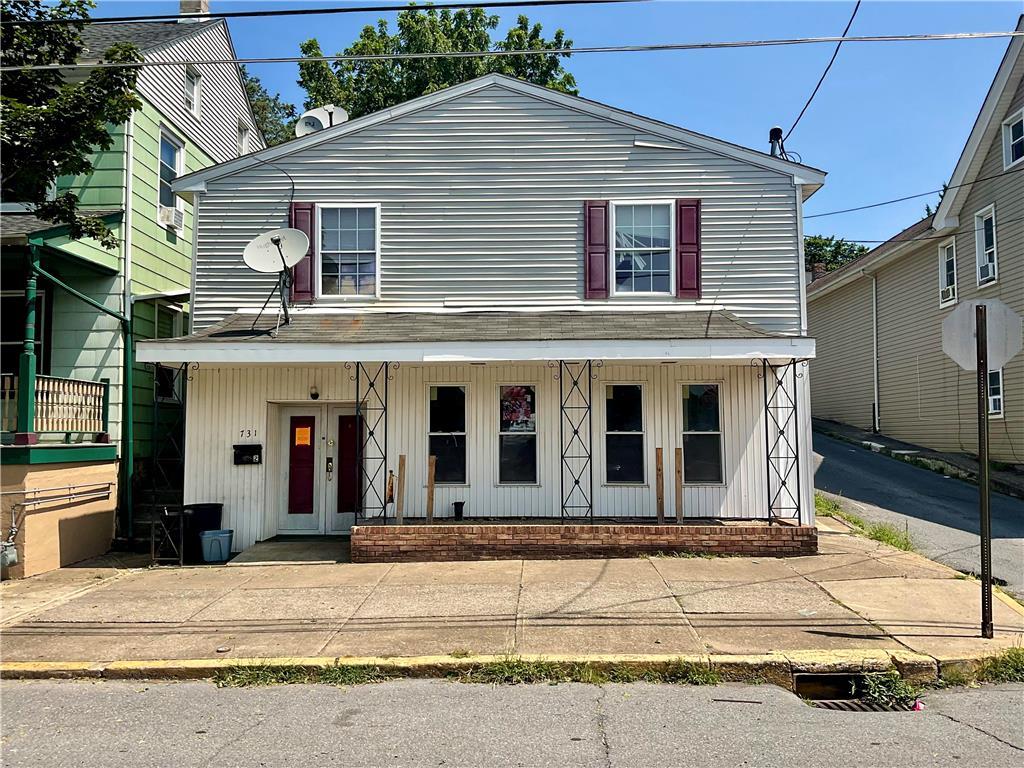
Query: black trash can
{"x":196,"y":519}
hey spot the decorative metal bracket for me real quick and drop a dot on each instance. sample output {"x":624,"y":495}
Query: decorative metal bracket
{"x":576,"y":432}
{"x":372,"y":446}
{"x":782,"y":439}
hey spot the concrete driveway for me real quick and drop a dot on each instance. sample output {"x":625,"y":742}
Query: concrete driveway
{"x":940,"y":513}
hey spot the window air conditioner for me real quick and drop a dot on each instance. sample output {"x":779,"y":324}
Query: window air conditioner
{"x":948,"y":293}
{"x":171,"y":217}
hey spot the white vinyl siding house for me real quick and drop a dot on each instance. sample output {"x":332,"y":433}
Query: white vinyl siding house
{"x":446,"y":303}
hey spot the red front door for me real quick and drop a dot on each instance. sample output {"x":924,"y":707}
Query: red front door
{"x":349,"y":434}
{"x":301,"y":464}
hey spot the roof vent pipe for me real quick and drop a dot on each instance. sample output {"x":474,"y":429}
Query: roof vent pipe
{"x":775,"y":139}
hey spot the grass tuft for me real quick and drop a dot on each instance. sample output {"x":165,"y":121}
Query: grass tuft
{"x":513,"y":671}
{"x":887,"y":533}
{"x":886,"y":689}
{"x":1007,"y":667}
{"x":259,"y":675}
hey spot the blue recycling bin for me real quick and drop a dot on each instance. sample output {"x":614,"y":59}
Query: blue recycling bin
{"x":216,"y":545}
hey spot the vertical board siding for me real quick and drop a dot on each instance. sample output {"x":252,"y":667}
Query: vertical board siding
{"x":223,"y":401}
{"x":482,"y":204}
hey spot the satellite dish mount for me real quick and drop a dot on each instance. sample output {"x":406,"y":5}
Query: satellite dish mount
{"x":277,"y":251}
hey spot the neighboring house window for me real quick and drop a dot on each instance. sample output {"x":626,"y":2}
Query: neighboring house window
{"x":517,"y":434}
{"x":193,"y":91}
{"x":995,"y":392}
{"x":702,"y":435}
{"x":624,"y":433}
{"x":243,"y":139}
{"x":166,"y":381}
{"x":172,"y":165}
{"x":447,"y":438}
{"x":985,"y":240}
{"x":947,"y":273}
{"x":349,"y":250}
{"x":1013,"y":140}
{"x":642,"y":255}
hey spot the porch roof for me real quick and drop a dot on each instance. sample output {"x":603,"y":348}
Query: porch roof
{"x":320,"y":337}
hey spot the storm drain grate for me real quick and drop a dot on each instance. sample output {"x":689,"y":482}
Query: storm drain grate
{"x":856,"y":705}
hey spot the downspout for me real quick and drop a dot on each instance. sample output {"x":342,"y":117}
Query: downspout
{"x":876,"y":418}
{"x":128,"y":394}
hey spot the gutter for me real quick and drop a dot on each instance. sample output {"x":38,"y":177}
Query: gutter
{"x":876,"y":418}
{"x":127,"y":393}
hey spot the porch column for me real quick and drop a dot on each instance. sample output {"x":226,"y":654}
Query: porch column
{"x":782,"y":429}
{"x":576,"y":437}
{"x":25,"y":433}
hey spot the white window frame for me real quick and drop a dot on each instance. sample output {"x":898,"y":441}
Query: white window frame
{"x":683,"y":391}
{"x":951,"y":243}
{"x":244,"y":136}
{"x":996,"y":403}
{"x":1008,"y":124}
{"x":465,"y":435}
{"x":193,"y":91}
{"x":979,"y":245}
{"x":535,"y":433}
{"x":612,"y":207}
{"x":643,"y":433}
{"x":179,"y":204}
{"x":375,"y":296}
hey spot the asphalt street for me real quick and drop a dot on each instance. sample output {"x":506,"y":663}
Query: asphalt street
{"x":940,"y":513}
{"x":421,"y":722}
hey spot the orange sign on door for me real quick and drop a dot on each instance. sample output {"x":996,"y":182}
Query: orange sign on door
{"x":303,"y":435}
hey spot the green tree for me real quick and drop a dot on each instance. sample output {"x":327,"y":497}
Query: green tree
{"x":49,"y":124}
{"x":831,"y":252}
{"x":275,"y":117}
{"x":362,"y":87}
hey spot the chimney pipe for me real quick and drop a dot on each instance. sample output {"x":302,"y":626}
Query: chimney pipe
{"x":775,"y":140}
{"x":193,"y":8}
{"x":818,"y":271}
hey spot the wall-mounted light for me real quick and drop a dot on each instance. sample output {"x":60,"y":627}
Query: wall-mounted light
{"x":314,"y":393}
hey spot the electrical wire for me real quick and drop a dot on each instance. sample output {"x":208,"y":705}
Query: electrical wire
{"x":824,"y":74}
{"x":933,"y":237}
{"x":312,"y":11}
{"x":912,"y":197}
{"x":566,"y":51}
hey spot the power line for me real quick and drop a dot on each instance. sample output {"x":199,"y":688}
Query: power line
{"x":824,"y":74}
{"x":912,"y":197}
{"x":896,"y":239}
{"x":529,"y":52}
{"x":314,"y":11}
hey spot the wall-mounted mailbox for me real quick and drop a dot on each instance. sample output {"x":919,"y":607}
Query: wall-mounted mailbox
{"x":248,"y":454}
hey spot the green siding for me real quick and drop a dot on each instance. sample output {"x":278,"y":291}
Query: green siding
{"x":104,"y":187}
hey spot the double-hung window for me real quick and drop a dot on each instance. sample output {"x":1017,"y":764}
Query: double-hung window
{"x":243,"y":138}
{"x":985,"y":244}
{"x":349,"y":250}
{"x":517,"y":434}
{"x":193,"y":91}
{"x":995,"y":392}
{"x":642,"y":255}
{"x":624,"y":433}
{"x":172,"y":165}
{"x":702,"y":435}
{"x":447,"y":436}
{"x":947,"y":273}
{"x":1013,"y":139}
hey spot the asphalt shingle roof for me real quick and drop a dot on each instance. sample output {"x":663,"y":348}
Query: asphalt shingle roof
{"x":391,"y":327}
{"x":144,"y":34}
{"x":13,"y":225}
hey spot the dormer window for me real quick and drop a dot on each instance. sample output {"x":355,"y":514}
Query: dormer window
{"x":193,"y":91}
{"x":1013,"y":139}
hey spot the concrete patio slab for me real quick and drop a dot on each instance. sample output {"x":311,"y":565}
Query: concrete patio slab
{"x":741,"y":633}
{"x":283,"y":551}
{"x":738,"y":569}
{"x":794,"y":595}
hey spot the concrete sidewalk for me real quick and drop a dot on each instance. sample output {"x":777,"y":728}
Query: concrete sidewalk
{"x":856,"y":596}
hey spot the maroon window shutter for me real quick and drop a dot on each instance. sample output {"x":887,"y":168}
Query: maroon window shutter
{"x":595,"y":249}
{"x":303,"y":216}
{"x":688,"y":249}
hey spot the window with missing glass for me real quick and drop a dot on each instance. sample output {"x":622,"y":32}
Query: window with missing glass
{"x":348,"y":251}
{"x":643,"y":247}
{"x":447,"y":433}
{"x":517,"y":434}
{"x":702,"y":435}
{"x":624,"y":433}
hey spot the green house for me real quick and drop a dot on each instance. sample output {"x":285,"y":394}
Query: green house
{"x":77,"y":445}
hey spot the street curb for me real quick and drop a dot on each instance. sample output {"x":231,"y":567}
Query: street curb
{"x":774,"y":668}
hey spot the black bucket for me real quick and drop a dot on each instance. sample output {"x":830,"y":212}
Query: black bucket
{"x":457,"y":507}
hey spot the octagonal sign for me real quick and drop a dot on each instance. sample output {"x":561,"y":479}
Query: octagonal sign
{"x":1004,"y":334}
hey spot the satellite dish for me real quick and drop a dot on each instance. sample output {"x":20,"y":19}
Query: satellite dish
{"x":317,"y":119}
{"x":276,"y":250}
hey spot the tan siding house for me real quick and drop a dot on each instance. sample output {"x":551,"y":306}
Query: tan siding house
{"x":898,"y":294}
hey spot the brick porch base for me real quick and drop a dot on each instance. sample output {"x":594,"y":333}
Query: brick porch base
{"x":418,"y":543}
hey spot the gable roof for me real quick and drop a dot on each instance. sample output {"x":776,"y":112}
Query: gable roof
{"x":986,"y":129}
{"x":145,"y":35}
{"x":811,"y":178}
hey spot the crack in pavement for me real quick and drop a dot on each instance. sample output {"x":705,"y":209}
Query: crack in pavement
{"x":602,"y":723}
{"x":981,"y":731}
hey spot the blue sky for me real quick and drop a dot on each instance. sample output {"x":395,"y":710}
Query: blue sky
{"x":890,"y":120}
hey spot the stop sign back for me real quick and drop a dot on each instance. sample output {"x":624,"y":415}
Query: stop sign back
{"x":1004,"y":334}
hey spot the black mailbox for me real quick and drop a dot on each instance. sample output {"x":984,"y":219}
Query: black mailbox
{"x":248,"y":454}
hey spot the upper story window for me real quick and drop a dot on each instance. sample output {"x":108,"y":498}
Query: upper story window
{"x":947,"y":273}
{"x":985,"y":245}
{"x":1013,"y":139}
{"x":642,"y":254}
{"x":193,"y":91}
{"x":170,"y":209}
{"x":349,"y":250}
{"x":243,"y":139}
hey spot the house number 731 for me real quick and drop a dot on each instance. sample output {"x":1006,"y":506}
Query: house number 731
{"x":247,"y":433}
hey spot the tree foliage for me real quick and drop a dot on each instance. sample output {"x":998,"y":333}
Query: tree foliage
{"x":831,"y":252}
{"x":362,"y":87}
{"x":50,"y":124}
{"x":275,"y":117}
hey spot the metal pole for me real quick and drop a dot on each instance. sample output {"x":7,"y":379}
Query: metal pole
{"x":981,"y":321}
{"x":128,"y":428}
